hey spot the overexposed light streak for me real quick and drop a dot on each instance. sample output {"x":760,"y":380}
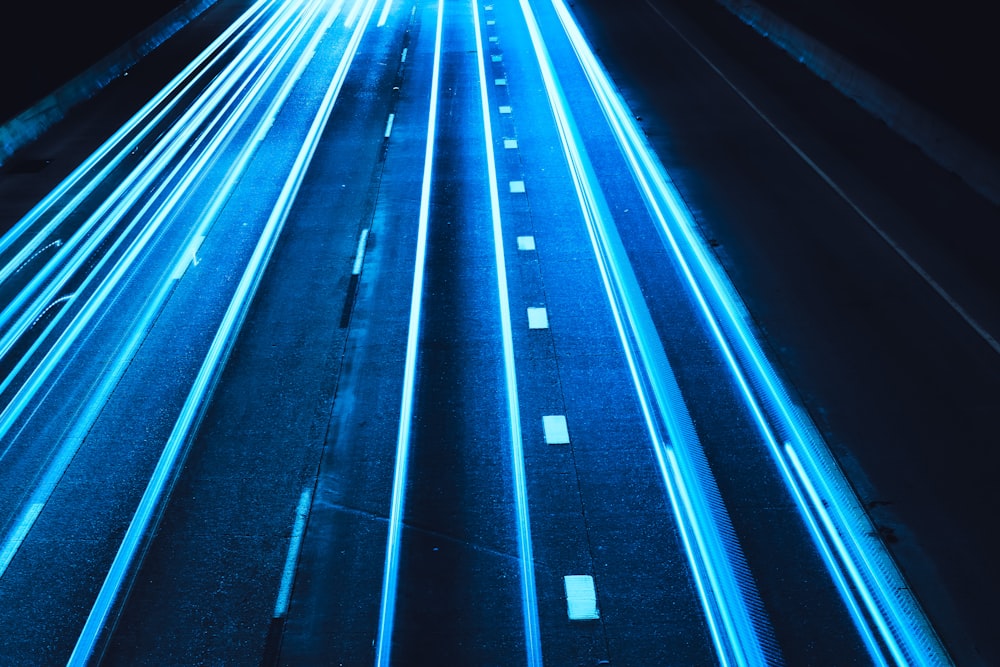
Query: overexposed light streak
{"x":384,"y":16}
{"x":870,"y":571}
{"x":529,"y":600}
{"x":212,"y":365}
{"x":390,"y":576}
{"x":727,"y":603}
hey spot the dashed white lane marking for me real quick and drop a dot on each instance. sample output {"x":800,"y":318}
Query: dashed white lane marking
{"x":581,"y":598}
{"x":517,"y":186}
{"x":359,"y":257}
{"x":510,"y":143}
{"x":402,"y":57}
{"x":497,"y":58}
{"x":388,"y":125}
{"x":538,"y":318}
{"x":500,"y":82}
{"x":556,"y":431}
{"x":490,"y":22}
{"x":494,"y":39}
{"x":292,"y":559}
{"x":14,"y":543}
{"x":505,"y":109}
{"x":525,"y":242}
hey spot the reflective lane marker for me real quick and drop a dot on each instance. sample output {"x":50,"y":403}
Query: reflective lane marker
{"x":525,"y":242}
{"x":510,"y":143}
{"x":189,"y":258}
{"x":517,"y":186}
{"x":496,"y":58}
{"x":505,"y":109}
{"x":402,"y":57}
{"x":388,"y":125}
{"x":359,"y":257}
{"x":500,"y":82}
{"x":581,"y":598}
{"x":556,"y":431}
{"x":291,"y":560}
{"x":538,"y":318}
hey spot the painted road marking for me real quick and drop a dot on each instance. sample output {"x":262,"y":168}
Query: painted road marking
{"x":556,"y":431}
{"x":402,"y":57}
{"x":517,"y":186}
{"x":525,"y":242}
{"x":505,"y":109}
{"x":359,"y":257}
{"x":388,"y":125}
{"x":510,"y":143}
{"x":496,"y":58}
{"x":581,"y":597}
{"x":494,"y":39}
{"x":18,"y":535}
{"x":292,"y":559}
{"x":538,"y":318}
{"x":500,"y":82}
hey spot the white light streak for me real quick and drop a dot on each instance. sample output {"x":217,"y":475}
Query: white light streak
{"x":390,"y":578}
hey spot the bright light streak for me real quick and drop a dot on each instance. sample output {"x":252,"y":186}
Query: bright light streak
{"x":214,"y":360}
{"x":891,"y":609}
{"x":390,"y":577}
{"x":732,"y":606}
{"x":384,"y":16}
{"x":529,"y":602}
{"x":76,"y":252}
{"x":138,"y":121}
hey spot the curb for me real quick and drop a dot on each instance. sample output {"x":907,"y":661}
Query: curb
{"x":941,"y":142}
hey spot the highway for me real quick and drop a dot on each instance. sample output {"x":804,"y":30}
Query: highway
{"x":381,"y":332}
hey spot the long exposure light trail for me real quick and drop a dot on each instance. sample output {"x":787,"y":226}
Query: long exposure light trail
{"x":219,"y":351}
{"x":734,"y":614}
{"x":140,"y":123}
{"x":529,"y":602}
{"x":856,"y":565}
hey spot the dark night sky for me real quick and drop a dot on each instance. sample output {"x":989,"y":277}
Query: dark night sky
{"x":945,"y":60}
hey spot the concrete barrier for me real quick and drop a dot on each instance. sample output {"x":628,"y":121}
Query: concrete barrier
{"x":31,"y":123}
{"x":941,"y":142}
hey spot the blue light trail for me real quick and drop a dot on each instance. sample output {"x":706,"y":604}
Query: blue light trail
{"x":860,"y":567}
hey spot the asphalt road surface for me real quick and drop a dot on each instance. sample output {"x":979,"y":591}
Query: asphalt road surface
{"x":407,"y":333}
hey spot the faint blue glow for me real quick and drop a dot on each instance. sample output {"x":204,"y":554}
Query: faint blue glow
{"x":529,"y":602}
{"x":715,"y":556}
{"x":894,"y":613}
{"x":390,"y":578}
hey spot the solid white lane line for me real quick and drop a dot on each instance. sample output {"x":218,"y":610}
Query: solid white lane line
{"x":359,"y":256}
{"x":538,"y":318}
{"x":581,"y":597}
{"x":556,"y":429}
{"x":388,"y":125}
{"x":292,"y":558}
{"x":525,"y":242}
{"x":529,"y":602}
{"x":390,"y":575}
